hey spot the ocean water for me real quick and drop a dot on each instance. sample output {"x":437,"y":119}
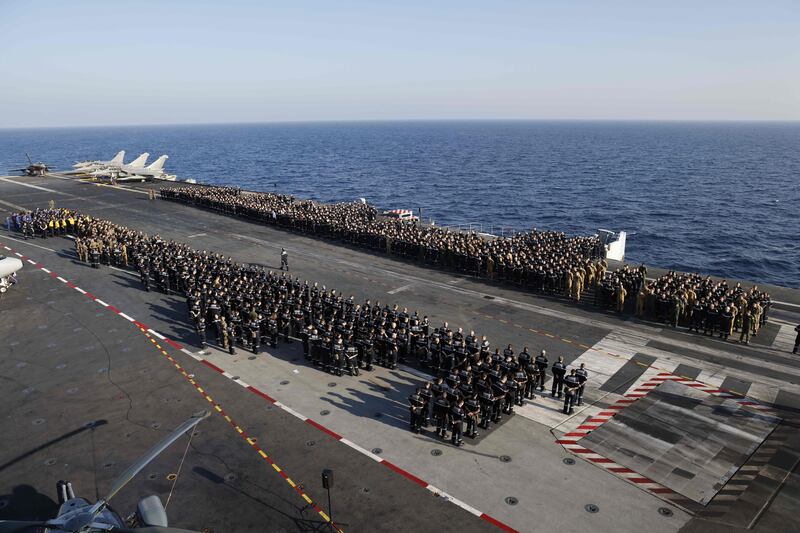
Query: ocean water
{"x":718,"y":198}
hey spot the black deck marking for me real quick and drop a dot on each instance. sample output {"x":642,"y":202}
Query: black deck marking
{"x":739,"y":386}
{"x":628,"y":374}
{"x":787,"y":401}
{"x":766,"y":334}
{"x":686,"y":371}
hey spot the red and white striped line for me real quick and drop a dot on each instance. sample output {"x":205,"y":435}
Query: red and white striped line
{"x":391,"y":466}
{"x":570,"y":440}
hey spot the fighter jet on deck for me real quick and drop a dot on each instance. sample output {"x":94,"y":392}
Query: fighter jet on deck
{"x":34,"y":169}
{"x":133,"y":172}
{"x":116,"y":160}
{"x":89,"y":167}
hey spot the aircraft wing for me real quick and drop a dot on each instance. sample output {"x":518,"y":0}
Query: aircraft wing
{"x":133,"y":177}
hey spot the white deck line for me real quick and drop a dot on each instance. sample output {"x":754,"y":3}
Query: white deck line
{"x":454,"y":500}
{"x":26,"y":243}
{"x":31,"y":186}
{"x":361,"y":450}
{"x":291,"y":411}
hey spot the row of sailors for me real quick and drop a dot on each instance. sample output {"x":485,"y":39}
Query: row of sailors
{"x":539,"y":260}
{"x":97,"y":251}
{"x":460,"y":398}
{"x":337,"y":348}
{"x":41,"y":223}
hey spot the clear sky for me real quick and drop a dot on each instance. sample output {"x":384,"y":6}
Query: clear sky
{"x":165,"y":62}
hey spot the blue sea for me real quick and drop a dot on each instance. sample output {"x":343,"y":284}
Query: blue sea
{"x":718,"y":198}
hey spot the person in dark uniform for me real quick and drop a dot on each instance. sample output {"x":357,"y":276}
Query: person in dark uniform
{"x":511,"y":393}
{"x":351,"y":359}
{"x":499,"y":391}
{"x":285,"y":324}
{"x":524,"y":358}
{"x":472,"y":408}
{"x":368,"y":350}
{"x":315,"y":347}
{"x":508,"y":352}
{"x":337,"y":354}
{"x":571,"y":386}
{"x":521,"y":378}
{"x":559,"y":370}
{"x":426,"y":393}
{"x":255,"y":333}
{"x":231,"y":330}
{"x":541,"y":366}
{"x":415,"y":406}
{"x":144,"y":274}
{"x":583,"y":376}
{"x":201,"y":331}
{"x":486,"y":399}
{"x":457,"y":422}
{"x":698,"y":316}
{"x":441,"y":409}
{"x":94,"y":254}
{"x":725,"y":321}
{"x":272,"y":329}
{"x":392,"y":351}
{"x":532,"y":373}
{"x":712,"y":319}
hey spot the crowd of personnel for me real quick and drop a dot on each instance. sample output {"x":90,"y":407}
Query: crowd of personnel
{"x":704,"y":305}
{"x":543,"y":261}
{"x":245,"y":307}
{"x":475,"y":387}
{"x":687,"y":300}
{"x":41,"y":223}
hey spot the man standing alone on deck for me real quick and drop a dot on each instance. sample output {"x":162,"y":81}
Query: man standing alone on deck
{"x":796,"y":339}
{"x":284,"y":259}
{"x":620,"y":294}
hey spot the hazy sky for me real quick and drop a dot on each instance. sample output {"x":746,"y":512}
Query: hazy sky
{"x":153,"y":62}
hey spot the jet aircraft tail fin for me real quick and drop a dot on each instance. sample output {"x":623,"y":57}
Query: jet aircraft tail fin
{"x":139,"y":161}
{"x":158,"y":164}
{"x":118,"y":158}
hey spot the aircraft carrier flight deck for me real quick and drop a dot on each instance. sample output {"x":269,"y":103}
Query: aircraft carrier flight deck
{"x":95,"y":369}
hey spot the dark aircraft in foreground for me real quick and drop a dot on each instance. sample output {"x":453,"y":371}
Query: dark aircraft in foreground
{"x":76,"y":514}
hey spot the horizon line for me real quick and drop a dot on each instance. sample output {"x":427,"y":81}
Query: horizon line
{"x":395,"y":120}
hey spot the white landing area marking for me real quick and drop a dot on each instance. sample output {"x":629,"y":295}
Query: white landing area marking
{"x":12,"y":206}
{"x":400,"y":289}
{"x":31,"y":186}
{"x":28,"y":243}
{"x":602,"y":366}
{"x":549,"y":411}
{"x":784,"y":340}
